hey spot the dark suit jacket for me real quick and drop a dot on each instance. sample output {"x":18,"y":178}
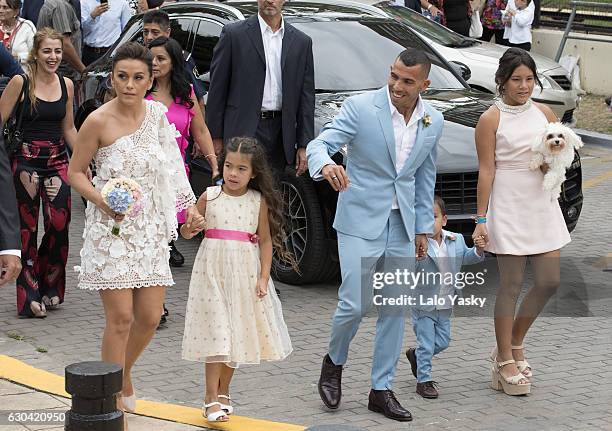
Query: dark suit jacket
{"x":415,"y":5}
{"x":237,"y":76}
{"x":10,"y":236}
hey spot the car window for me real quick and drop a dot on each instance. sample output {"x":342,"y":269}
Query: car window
{"x":206,"y":37}
{"x":356,"y":55}
{"x":425,"y":26}
{"x":179,"y":31}
{"x":132,"y":34}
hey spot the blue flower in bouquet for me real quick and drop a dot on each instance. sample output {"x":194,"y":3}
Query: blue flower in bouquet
{"x":119,"y":200}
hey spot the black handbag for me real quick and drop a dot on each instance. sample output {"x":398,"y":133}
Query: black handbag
{"x":12,"y":128}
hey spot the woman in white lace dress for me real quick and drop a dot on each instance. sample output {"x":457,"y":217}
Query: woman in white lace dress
{"x":130,"y":137}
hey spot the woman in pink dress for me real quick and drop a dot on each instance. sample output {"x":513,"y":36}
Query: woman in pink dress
{"x":172,"y":88}
{"x":515,"y":217}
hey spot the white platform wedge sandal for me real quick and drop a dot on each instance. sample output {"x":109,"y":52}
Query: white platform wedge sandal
{"x":510,"y":385}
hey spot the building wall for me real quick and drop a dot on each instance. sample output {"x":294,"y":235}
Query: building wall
{"x":595,"y":57}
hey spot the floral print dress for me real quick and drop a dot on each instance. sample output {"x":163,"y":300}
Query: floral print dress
{"x":138,"y":256}
{"x":492,"y":14}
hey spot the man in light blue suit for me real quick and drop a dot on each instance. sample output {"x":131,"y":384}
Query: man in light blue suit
{"x":384,"y":210}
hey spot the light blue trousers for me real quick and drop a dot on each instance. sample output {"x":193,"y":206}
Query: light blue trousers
{"x":355,"y":299}
{"x":432,"y":330}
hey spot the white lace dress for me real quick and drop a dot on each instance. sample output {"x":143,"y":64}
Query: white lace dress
{"x":138,"y":256}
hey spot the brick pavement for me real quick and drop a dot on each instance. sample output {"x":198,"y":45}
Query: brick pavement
{"x":571,"y":355}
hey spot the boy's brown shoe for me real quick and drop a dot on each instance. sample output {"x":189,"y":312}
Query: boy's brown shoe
{"x":427,"y":389}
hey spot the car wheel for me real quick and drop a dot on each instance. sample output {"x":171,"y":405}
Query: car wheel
{"x":305,"y":235}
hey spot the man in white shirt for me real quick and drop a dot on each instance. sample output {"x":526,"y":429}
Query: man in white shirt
{"x":262,"y":85}
{"x":102,"y":23}
{"x":10,"y":240}
{"x":384,"y":210}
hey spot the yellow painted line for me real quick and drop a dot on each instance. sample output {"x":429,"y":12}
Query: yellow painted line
{"x":597,"y":180}
{"x":26,"y":375}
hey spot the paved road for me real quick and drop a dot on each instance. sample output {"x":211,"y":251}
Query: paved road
{"x":571,"y":355}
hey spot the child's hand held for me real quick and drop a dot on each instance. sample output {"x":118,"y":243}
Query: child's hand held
{"x":262,"y":288}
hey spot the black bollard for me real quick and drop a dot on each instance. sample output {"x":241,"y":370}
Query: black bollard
{"x":94,"y":387}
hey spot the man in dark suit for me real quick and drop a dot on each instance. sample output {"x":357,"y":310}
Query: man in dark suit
{"x":10,"y":240}
{"x":262,"y":85}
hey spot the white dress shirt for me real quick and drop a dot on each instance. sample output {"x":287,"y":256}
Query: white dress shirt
{"x":405,"y":135}
{"x":105,"y":29}
{"x":441,"y":253}
{"x":273,"y":86}
{"x":519,"y":30}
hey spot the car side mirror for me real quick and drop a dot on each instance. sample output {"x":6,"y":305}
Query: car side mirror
{"x":462,"y":69}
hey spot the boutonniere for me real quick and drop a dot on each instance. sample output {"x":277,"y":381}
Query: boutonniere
{"x":426,"y":120}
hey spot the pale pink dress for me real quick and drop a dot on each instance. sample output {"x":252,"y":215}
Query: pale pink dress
{"x":521,"y":220}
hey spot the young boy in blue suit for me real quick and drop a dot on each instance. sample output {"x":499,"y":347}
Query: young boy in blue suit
{"x":436,"y":295}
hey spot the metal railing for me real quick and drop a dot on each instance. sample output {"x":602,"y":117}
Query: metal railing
{"x":592,"y":16}
{"x":568,"y":27}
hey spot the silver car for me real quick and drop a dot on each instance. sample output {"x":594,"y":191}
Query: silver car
{"x":478,"y":60}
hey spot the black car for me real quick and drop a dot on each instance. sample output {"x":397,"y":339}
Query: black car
{"x":352,"y":53}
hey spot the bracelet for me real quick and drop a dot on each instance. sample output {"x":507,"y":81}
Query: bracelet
{"x":210,"y":155}
{"x":480,"y":219}
{"x":430,"y":6}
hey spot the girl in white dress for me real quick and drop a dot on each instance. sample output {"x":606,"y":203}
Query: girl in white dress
{"x":233,"y":314}
{"x":130,"y":137}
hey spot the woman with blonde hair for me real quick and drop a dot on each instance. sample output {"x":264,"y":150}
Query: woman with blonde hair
{"x":43,"y":99}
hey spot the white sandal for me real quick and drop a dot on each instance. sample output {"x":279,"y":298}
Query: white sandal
{"x":215,"y":416}
{"x":229,"y":409}
{"x":510,"y":385}
{"x":523,"y":365}
{"x":129,"y":403}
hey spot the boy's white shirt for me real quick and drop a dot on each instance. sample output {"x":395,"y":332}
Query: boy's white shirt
{"x":441,"y":252}
{"x":520,"y":29}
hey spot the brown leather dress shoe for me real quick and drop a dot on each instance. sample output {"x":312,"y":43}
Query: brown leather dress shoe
{"x":427,"y":390}
{"x":330,"y":383}
{"x":411,"y":355}
{"x":385,"y":402}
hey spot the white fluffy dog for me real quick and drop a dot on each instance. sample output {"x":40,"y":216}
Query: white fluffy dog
{"x":556,"y":149}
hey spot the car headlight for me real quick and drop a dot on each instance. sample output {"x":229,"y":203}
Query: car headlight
{"x":546,"y":84}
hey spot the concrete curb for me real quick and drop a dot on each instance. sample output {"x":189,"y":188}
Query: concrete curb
{"x":589,"y":137}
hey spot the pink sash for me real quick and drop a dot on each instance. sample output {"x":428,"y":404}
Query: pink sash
{"x":232,"y":235}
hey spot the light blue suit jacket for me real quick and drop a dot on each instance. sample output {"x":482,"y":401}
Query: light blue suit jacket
{"x":459,"y":254}
{"x":364,"y":124}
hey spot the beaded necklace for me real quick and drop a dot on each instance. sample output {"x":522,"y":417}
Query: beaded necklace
{"x":512,"y":109}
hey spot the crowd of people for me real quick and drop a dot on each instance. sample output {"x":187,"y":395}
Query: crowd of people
{"x":508,"y":21}
{"x":259,"y":119}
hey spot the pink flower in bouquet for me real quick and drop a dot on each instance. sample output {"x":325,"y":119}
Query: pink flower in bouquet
{"x":124,"y":196}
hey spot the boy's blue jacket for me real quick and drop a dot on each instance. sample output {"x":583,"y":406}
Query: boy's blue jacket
{"x":459,"y":254}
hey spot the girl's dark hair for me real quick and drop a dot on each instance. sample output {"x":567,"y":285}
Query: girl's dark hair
{"x":134,"y":51}
{"x":180,"y":87}
{"x":513,"y":58}
{"x":265,"y":184}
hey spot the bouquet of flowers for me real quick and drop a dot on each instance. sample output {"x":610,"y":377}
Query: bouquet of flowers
{"x":124,"y":196}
